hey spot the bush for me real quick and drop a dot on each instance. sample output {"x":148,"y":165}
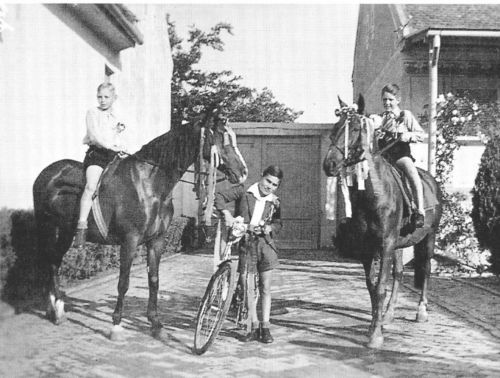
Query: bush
{"x":20,"y":272}
{"x":7,"y":254}
{"x":486,"y":201}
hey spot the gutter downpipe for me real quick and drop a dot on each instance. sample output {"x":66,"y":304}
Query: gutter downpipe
{"x":434,"y":47}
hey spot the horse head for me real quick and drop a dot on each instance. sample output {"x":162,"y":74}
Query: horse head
{"x":220,"y":145}
{"x":347,"y":138}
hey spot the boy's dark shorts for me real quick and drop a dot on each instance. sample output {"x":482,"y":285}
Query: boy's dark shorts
{"x":396,"y":152}
{"x":257,"y":255}
{"x":98,"y":156}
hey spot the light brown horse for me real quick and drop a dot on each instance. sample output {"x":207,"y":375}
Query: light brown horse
{"x":135,"y":196}
{"x":378,"y":228}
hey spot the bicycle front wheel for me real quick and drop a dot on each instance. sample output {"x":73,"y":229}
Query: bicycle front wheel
{"x":214,"y":307}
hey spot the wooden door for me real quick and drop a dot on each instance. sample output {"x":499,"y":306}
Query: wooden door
{"x":298,"y":157}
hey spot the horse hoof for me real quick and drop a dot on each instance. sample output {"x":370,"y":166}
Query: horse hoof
{"x":156,"y":332}
{"x":116,"y":333}
{"x":375,"y":342}
{"x":422,"y":316}
{"x":59,"y":314}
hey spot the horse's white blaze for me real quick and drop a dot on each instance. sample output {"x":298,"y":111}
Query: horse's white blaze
{"x":232,"y":134}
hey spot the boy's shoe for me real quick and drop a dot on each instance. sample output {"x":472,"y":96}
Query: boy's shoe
{"x":265,"y":336}
{"x":80,"y":237}
{"x":253,"y":335}
{"x":418,"y":219}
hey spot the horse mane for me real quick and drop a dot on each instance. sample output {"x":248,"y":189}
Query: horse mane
{"x":174,"y":150}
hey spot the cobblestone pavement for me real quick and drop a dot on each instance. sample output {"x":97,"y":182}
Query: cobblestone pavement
{"x":322,"y":334}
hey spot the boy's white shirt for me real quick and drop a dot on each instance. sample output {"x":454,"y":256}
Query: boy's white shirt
{"x":102,"y":129}
{"x":260,"y":203}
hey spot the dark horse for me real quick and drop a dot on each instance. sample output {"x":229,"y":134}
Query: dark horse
{"x":379,"y":227}
{"x":135,"y":197}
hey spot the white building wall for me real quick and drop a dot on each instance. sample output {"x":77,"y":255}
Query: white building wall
{"x":48,"y":79}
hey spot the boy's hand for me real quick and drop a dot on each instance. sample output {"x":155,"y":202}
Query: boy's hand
{"x":405,"y":137}
{"x":267,"y":229}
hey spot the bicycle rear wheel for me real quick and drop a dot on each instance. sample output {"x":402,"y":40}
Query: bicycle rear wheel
{"x":214,"y":307}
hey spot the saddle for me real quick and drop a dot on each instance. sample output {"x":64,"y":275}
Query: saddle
{"x":100,"y":221}
{"x":409,"y":203}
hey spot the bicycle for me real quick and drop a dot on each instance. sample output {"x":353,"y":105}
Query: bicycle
{"x":222,"y":291}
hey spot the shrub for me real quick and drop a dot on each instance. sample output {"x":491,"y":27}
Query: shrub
{"x":486,"y":201}
{"x":7,"y":254}
{"x":20,"y":271}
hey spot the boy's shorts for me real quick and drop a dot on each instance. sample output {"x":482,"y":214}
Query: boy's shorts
{"x":257,"y":255}
{"x":98,"y":156}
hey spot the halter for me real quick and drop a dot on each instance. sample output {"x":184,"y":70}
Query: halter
{"x":350,"y":156}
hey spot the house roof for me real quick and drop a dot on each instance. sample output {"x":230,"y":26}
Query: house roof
{"x":418,"y":18}
{"x":453,"y":16}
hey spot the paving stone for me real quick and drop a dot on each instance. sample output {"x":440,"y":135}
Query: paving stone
{"x":322,"y":333}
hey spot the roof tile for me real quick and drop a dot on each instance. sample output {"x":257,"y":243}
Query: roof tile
{"x":453,"y":16}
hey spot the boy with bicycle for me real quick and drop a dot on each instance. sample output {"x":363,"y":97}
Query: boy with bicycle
{"x":260,"y":209}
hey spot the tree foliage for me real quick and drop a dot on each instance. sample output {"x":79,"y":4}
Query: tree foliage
{"x":194,"y":91}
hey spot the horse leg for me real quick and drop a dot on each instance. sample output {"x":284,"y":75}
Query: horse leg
{"x":369,"y":266}
{"x":53,"y":244}
{"x":376,"y":337}
{"x":127,"y":251}
{"x":155,"y":250}
{"x":423,"y":253}
{"x":397,"y":275}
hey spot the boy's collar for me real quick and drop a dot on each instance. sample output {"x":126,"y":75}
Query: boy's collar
{"x":254,"y":189}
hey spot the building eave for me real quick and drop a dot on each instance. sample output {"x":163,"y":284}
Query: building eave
{"x":423,"y":35}
{"x":111,"y":23}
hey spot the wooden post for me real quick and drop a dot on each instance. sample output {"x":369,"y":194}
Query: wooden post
{"x":434,"y":47}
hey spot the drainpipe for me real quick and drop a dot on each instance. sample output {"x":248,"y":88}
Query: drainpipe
{"x":434,"y":37}
{"x":434,"y":46}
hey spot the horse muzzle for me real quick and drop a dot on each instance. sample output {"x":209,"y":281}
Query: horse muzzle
{"x":330,"y":168}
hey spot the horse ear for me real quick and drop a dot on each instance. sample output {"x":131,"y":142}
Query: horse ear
{"x":341,"y":103}
{"x":361,"y":104}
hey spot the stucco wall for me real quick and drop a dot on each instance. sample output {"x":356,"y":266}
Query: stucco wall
{"x":144,"y":80}
{"x":48,"y":77}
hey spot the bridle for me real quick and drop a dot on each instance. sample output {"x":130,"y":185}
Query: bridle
{"x":351,"y":153}
{"x":354,"y":153}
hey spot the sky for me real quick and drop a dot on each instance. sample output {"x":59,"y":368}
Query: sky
{"x":302,"y":53}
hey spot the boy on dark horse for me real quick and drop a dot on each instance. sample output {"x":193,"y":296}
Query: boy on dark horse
{"x":401,"y":125}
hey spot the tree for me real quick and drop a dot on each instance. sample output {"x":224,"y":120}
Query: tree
{"x":195,"y":91}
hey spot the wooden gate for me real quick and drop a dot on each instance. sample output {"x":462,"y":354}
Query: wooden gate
{"x":299,"y":157}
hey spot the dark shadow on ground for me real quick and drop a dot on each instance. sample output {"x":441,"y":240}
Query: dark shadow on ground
{"x":390,"y":363}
